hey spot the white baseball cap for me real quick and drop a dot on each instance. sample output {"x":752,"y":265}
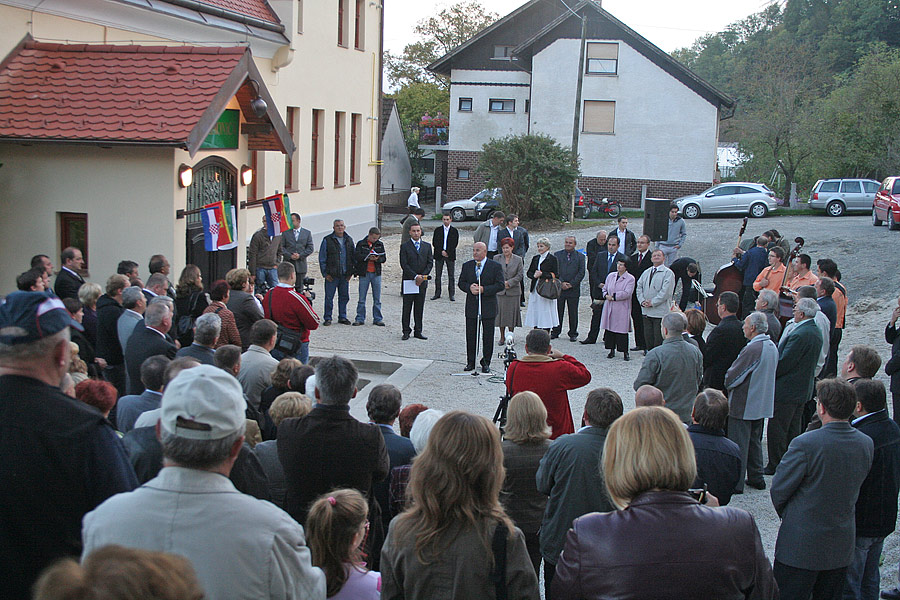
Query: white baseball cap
{"x":203,"y":403}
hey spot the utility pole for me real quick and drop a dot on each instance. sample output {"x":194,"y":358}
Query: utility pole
{"x":576,"y":126}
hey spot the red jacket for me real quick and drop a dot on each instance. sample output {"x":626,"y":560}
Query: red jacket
{"x":550,"y":379}
{"x":290,"y":309}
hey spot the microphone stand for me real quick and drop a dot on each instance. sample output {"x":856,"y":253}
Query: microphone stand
{"x":478,"y":332}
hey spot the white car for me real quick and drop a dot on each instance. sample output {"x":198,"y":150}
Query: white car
{"x":737,"y":197}
{"x":478,"y":207}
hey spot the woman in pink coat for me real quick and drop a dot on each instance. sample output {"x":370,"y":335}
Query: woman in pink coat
{"x":616,"y":319}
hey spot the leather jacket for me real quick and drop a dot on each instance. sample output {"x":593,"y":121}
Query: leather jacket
{"x":664,"y":545}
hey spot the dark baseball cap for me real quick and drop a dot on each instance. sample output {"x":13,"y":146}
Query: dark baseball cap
{"x":37,"y":314}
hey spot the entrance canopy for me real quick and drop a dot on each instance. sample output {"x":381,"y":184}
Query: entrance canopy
{"x":132,"y":95}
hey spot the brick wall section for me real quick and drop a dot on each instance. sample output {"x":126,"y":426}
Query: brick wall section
{"x":626,"y":191}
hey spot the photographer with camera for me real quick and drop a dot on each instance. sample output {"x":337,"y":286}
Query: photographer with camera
{"x":550,"y":374}
{"x":369,"y":256}
{"x":293,"y":313}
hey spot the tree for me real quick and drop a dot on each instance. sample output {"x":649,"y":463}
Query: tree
{"x":535,"y":173}
{"x":439,"y":34}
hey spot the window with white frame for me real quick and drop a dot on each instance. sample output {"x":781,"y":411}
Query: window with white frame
{"x":502,"y":52}
{"x":602,"y":58}
{"x":599,"y":117}
{"x":502,"y":105}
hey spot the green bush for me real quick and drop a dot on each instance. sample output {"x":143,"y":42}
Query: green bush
{"x":537,"y":175}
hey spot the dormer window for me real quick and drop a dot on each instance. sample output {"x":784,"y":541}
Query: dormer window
{"x":502,"y":52}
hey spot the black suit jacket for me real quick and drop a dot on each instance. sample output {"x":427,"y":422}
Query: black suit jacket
{"x":723,"y":345}
{"x":437,"y":242}
{"x":416,"y":263}
{"x":601,"y":270}
{"x":325,"y":450}
{"x":630,"y":241}
{"x":637,"y":267}
{"x":548,"y":268}
{"x":143,"y":344}
{"x":571,"y":271}
{"x":401,"y":452}
{"x":491,"y":280}
{"x":66,"y":285}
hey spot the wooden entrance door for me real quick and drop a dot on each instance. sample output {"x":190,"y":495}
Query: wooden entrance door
{"x":214,"y":180}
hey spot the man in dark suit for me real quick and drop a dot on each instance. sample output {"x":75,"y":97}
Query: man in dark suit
{"x":814,"y":491}
{"x":686,"y":270}
{"x":416,"y":260}
{"x":129,"y":408}
{"x":383,"y":408}
{"x":876,"y":508}
{"x":603,"y":266}
{"x":571,"y":274}
{"x":480,"y":279}
{"x":627,"y":241}
{"x":444,"y":243}
{"x":640,"y":262}
{"x":69,"y":278}
{"x":296,"y":245}
{"x":798,"y":352}
{"x":147,"y":342}
{"x":724,"y":343}
{"x":328,"y":448}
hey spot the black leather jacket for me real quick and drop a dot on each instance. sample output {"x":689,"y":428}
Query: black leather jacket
{"x":664,"y":545}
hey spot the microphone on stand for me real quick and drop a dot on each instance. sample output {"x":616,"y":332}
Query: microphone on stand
{"x":478,"y":326}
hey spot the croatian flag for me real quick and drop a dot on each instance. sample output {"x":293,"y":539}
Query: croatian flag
{"x":278,"y":214}
{"x":215,"y":228}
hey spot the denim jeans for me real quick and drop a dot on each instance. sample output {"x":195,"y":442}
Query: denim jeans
{"x":342,"y":287}
{"x":267,"y":276}
{"x":364,"y":282}
{"x":302,"y":353}
{"x":863,"y":577}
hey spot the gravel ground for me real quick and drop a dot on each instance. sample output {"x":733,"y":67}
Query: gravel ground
{"x":860,"y":250}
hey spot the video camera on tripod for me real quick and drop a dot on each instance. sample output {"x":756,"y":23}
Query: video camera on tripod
{"x":509,"y":356}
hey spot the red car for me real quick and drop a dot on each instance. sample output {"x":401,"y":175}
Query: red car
{"x":886,"y":206}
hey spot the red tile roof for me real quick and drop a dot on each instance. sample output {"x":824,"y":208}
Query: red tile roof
{"x":83,"y":92}
{"x":259,"y":9}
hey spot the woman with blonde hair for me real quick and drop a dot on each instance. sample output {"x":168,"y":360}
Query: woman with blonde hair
{"x":88,"y":294}
{"x":542,"y":313}
{"x":288,"y":405}
{"x":190,"y":302}
{"x":662,"y":542}
{"x":524,"y":445}
{"x":445,"y":543}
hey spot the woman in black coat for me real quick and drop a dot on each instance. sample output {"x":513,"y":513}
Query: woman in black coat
{"x":542,"y":313}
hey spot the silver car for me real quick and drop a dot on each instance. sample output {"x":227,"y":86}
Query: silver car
{"x":476,"y":207}
{"x":838,"y":196}
{"x":738,"y":197}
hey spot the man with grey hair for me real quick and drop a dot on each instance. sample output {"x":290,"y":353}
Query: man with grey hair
{"x":767,"y":303}
{"x":149,"y":340}
{"x":675,"y":367}
{"x":329,"y":448}
{"x":750,"y":384}
{"x":207,"y":328}
{"x":135,"y":304}
{"x":795,"y":374}
{"x":61,"y":458}
{"x":822,"y":322}
{"x":191,"y":508}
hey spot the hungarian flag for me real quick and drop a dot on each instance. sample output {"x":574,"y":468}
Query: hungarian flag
{"x":278,"y":212}
{"x":231,"y":219}
{"x":216,"y":232}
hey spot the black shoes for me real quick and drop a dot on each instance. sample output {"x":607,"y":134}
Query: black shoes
{"x":636,"y":348}
{"x":627,"y":358}
{"x":469,"y":367}
{"x":759,"y":485}
{"x":357,"y":323}
{"x":405,"y":337}
{"x":452,"y":299}
{"x":769,"y":470}
{"x":419,"y":336}
{"x":326,"y":322}
{"x":344,"y":321}
{"x":893,"y":594}
{"x":379,"y":323}
{"x":554,"y":336}
{"x":587,"y":342}
{"x":612,"y":354}
{"x":573,"y":338}
{"x":436,"y":297}
{"x":485,"y":369}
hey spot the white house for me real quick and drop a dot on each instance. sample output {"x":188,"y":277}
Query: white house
{"x":644,"y":118}
{"x":105,"y":104}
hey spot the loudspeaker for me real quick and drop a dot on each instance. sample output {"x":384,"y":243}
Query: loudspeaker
{"x":656,"y":218}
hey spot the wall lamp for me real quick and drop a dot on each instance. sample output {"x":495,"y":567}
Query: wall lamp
{"x":246,"y":175}
{"x":185,"y":176}
{"x":258,"y":105}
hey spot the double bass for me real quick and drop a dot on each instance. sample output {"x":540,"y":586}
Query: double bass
{"x":728,"y":279}
{"x":786,"y":295}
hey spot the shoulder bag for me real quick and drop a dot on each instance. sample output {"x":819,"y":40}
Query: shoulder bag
{"x":288,"y":341}
{"x":551,"y":289}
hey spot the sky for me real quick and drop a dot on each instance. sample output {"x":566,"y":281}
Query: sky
{"x":667,"y":23}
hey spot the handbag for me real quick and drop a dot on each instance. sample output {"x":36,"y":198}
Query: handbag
{"x":288,"y":341}
{"x":498,"y":573}
{"x":551,"y":289}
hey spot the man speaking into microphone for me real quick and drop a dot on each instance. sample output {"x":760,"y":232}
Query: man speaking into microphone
{"x":480,"y":279}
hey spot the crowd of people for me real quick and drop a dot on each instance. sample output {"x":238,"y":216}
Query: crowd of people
{"x":154,"y":432}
